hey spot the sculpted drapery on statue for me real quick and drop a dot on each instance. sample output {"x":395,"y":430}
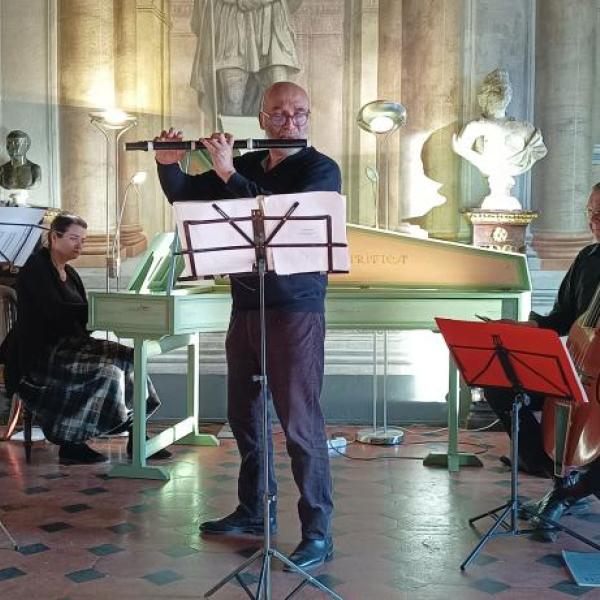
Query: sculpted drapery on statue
{"x":19,"y":173}
{"x":243,"y":46}
{"x":501,"y":147}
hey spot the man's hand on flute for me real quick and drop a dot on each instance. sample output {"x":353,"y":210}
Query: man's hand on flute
{"x":220,"y":148}
{"x":169,"y":157}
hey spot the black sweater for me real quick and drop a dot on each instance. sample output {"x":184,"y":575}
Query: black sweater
{"x":48,"y":309}
{"x":575,"y":293}
{"x":304,"y":171}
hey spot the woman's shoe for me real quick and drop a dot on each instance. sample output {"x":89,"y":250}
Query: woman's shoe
{"x":79,"y":454}
{"x":162,"y":454}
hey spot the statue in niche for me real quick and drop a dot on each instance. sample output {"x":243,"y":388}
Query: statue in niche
{"x":19,"y":173}
{"x":245,"y":45}
{"x":500,"y":147}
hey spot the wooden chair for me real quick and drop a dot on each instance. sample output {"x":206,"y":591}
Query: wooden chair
{"x":8,"y":317}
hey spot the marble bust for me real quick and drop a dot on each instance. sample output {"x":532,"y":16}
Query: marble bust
{"x":501,"y":147}
{"x":19,"y":173}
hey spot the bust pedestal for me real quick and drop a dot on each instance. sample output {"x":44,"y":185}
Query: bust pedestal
{"x":500,"y":229}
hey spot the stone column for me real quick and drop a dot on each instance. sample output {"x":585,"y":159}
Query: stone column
{"x":563,"y":112}
{"x":86,"y":83}
{"x":133,"y":240}
{"x":428,"y":176}
{"x":360,"y":87}
{"x":153,"y":93}
{"x":389,"y":87}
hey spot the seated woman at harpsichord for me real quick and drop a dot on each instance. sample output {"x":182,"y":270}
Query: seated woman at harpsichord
{"x":77,"y":387}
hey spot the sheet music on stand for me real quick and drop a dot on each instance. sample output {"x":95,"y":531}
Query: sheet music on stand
{"x":20,"y":231}
{"x":317,"y":220}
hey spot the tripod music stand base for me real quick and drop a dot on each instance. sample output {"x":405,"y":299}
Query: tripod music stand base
{"x":380,"y":437}
{"x":500,"y":521}
{"x":265,"y":557}
{"x":452,"y":461}
{"x":11,"y":539}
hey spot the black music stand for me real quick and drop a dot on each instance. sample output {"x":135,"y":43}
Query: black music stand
{"x":523,"y":360}
{"x":260,"y":243}
{"x":17,"y":241}
{"x":15,"y":248}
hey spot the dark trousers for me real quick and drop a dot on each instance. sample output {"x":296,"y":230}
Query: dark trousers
{"x":295,"y":363}
{"x":532,"y":455}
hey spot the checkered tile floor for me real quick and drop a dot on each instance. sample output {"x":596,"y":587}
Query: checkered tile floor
{"x":400,"y":528}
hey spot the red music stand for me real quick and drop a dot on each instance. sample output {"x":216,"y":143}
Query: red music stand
{"x":524,"y":360}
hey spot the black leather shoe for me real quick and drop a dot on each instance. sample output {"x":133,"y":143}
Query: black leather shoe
{"x":237,"y":523}
{"x":311,"y":553}
{"x":530,"y":509}
{"x":79,"y":454}
{"x":557,"y":504}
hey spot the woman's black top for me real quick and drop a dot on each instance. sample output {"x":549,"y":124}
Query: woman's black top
{"x":48,"y":309}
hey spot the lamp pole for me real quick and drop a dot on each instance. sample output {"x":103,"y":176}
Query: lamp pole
{"x":386,"y":175}
{"x":112,"y":124}
{"x":135,"y":182}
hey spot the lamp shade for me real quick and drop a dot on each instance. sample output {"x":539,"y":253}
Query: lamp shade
{"x":139,"y":178}
{"x":381,"y":116}
{"x":113,"y":119}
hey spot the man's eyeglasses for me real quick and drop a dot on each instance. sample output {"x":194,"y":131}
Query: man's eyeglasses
{"x":299,"y":119}
{"x":593,"y":215}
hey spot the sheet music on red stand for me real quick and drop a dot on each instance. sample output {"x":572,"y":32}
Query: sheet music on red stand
{"x":538,"y":356}
{"x":315,"y":221}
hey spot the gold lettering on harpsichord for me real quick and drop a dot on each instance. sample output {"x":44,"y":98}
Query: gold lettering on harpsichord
{"x":379,"y":259}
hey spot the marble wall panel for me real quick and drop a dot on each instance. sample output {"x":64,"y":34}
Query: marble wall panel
{"x":28,"y":71}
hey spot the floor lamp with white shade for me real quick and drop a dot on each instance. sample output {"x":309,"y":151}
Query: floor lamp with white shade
{"x":381,"y":118}
{"x":113,"y":124}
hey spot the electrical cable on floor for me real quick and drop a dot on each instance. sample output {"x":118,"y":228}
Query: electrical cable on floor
{"x":432,"y":431}
{"x":416,"y":431}
{"x":484,"y":428}
{"x":336,"y":434}
{"x":483,"y":450}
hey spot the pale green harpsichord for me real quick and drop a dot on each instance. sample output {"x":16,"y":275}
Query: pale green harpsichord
{"x":396,"y":282}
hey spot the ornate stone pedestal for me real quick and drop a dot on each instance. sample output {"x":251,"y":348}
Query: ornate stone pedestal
{"x":500,"y":229}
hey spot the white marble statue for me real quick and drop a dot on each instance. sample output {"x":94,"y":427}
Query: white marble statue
{"x":245,"y":45}
{"x":499,"y":146}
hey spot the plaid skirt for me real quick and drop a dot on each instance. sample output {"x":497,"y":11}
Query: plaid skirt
{"x":83,"y":389}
